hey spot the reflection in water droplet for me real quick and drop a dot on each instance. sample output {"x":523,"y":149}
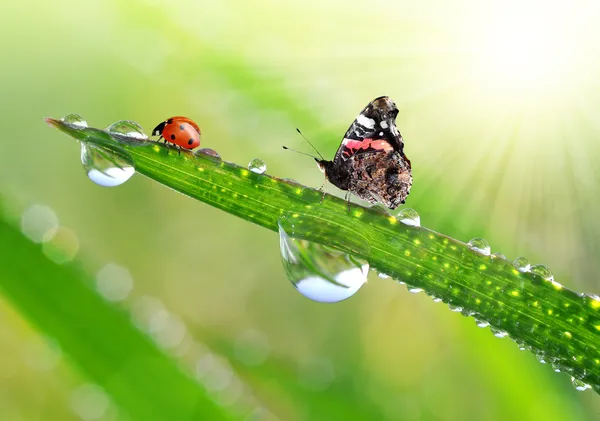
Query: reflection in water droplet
{"x":103,"y":168}
{"x":481,"y":323}
{"x":127,"y":128}
{"x":579,"y":385}
{"x":498,"y":256}
{"x":74,"y":120}
{"x":114,"y":282}
{"x":414,"y":290}
{"x":480,"y":246}
{"x":542,"y":271}
{"x":522,"y":264}
{"x":38,"y":223}
{"x":454,"y":308}
{"x":409,"y":217}
{"x":383,"y":275}
{"x":62,"y":246}
{"x":208,"y":153}
{"x":318,"y":272}
{"x":89,"y":402}
{"x":258,"y":166}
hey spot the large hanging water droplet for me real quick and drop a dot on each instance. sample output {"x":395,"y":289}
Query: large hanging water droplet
{"x":542,"y":271}
{"x":318,"y":272}
{"x":409,"y":217}
{"x":579,"y":385}
{"x":258,"y":166}
{"x":480,"y":246}
{"x":104,"y":168}
{"x":127,"y":128}
{"x":207,"y":152}
{"x":522,"y":264}
{"x":74,"y":120}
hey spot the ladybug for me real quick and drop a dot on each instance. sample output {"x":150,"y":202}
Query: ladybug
{"x":181,"y":131}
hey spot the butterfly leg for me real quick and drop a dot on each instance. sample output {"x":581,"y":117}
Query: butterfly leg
{"x":348,"y":196}
{"x":323,"y":189}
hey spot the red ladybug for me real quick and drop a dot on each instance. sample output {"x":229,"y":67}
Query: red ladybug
{"x":180,"y":131}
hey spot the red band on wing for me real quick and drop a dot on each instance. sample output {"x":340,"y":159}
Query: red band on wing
{"x":353,"y":146}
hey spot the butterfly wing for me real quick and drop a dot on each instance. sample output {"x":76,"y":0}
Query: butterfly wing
{"x":374,"y":130}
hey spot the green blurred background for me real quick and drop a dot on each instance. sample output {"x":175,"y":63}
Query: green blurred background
{"x":498,"y":107}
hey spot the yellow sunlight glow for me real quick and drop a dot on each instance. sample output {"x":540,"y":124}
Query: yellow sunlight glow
{"x":528,"y":46}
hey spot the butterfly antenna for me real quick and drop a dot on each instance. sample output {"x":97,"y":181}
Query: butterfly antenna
{"x":313,"y":146}
{"x":301,"y":153}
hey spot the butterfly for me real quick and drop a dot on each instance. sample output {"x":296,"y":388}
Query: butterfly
{"x":370,"y":161}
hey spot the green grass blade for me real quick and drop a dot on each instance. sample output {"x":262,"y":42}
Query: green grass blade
{"x":559,"y":325}
{"x":98,"y":337}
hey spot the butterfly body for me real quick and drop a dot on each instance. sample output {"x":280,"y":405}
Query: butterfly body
{"x":370,"y":161}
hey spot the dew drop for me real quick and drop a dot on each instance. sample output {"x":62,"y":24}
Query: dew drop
{"x":127,"y":128}
{"x":437,"y":300}
{"x":542,"y":271}
{"x":318,"y":272}
{"x":454,"y":308}
{"x":481,"y":323}
{"x":409,"y":217}
{"x":210,"y":153}
{"x":104,"y":168}
{"x":498,"y":333}
{"x":383,"y":275}
{"x":579,"y":385}
{"x":480,"y":246}
{"x":414,"y":290}
{"x":74,"y":120}
{"x":257,"y":166}
{"x":498,"y":256}
{"x":522,"y":264}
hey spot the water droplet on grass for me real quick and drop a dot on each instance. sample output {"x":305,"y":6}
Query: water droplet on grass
{"x":257,"y":166}
{"x":579,"y":385}
{"x":383,"y":275}
{"x":104,"y":168}
{"x":127,"y":128}
{"x":481,"y":323}
{"x":498,"y":333}
{"x":38,"y":223}
{"x":542,"y":271}
{"x":414,"y":290}
{"x":74,"y":120}
{"x":208,"y":153}
{"x":319,"y":272}
{"x":522,"y":264}
{"x":409,"y":217}
{"x":480,"y":246}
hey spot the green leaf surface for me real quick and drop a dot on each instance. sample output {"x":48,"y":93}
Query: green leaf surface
{"x":100,"y":338}
{"x":560,"y":326}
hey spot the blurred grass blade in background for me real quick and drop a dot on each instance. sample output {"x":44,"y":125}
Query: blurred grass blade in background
{"x":144,"y":382}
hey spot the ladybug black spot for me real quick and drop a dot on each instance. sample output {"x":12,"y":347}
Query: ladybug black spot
{"x":172,"y":137}
{"x":190,"y":141}
{"x":181,"y":127}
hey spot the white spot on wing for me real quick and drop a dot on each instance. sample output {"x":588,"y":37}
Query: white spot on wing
{"x":383,"y":124}
{"x":369,"y":123}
